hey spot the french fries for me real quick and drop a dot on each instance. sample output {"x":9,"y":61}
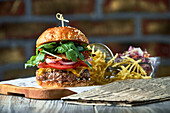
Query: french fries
{"x":128,"y":68}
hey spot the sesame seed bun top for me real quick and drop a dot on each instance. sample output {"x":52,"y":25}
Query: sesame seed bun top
{"x":56,"y":34}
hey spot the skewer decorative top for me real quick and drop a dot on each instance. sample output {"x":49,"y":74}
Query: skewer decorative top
{"x":61,"y":18}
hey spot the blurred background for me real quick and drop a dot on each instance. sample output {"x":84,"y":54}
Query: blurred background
{"x":117,"y":23}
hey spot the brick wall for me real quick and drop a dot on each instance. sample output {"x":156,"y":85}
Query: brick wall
{"x":117,"y":23}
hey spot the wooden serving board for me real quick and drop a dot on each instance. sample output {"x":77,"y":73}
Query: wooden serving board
{"x":35,"y":93}
{"x":27,"y":87}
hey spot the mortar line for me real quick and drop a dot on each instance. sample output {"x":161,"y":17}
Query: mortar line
{"x":28,"y":8}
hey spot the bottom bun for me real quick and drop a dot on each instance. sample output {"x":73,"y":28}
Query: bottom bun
{"x":55,"y":84}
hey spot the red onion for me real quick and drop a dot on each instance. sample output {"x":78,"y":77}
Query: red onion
{"x":66,"y":63}
{"x":88,"y":60}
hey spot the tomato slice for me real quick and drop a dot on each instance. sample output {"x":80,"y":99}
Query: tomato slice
{"x":43,"y":65}
{"x":57,"y":65}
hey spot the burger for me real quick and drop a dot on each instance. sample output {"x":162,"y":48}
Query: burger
{"x":62,"y":58}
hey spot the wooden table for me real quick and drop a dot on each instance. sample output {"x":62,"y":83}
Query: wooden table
{"x":17,"y":104}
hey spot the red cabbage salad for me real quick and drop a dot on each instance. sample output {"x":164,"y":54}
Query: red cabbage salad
{"x":137,"y":53}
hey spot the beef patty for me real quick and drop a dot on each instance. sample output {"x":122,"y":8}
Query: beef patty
{"x":63,"y":76}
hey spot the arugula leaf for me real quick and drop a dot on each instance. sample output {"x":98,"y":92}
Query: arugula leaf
{"x":44,"y":51}
{"x":46,"y":46}
{"x":40,"y":57}
{"x":34,"y":60}
{"x":81,"y":56}
{"x":67,"y":55}
{"x":60,"y":49}
{"x":71,"y":54}
{"x":30,"y":62}
{"x":49,"y":46}
{"x":71,"y":45}
{"x":89,"y":65}
{"x":65,"y":47}
{"x":80,"y":48}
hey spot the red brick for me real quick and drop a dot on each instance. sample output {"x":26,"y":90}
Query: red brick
{"x":18,"y":73}
{"x":12,"y":55}
{"x":154,"y":5}
{"x":136,"y":6}
{"x":23,"y":30}
{"x":2,"y":33}
{"x":15,"y":7}
{"x":51,"y":7}
{"x":163,"y":50}
{"x":105,"y":28}
{"x":160,"y":26}
{"x":154,"y":49}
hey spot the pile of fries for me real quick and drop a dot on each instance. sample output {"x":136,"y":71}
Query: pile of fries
{"x":128,"y":68}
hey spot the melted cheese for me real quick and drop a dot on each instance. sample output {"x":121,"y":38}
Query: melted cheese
{"x":76,"y":71}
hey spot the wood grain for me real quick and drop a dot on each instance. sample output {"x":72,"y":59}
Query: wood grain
{"x":16,"y":104}
{"x":125,"y":93}
{"x":34,"y":93}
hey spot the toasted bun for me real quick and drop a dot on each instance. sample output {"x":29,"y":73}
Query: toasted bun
{"x":61,"y":33}
{"x":55,"y":84}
